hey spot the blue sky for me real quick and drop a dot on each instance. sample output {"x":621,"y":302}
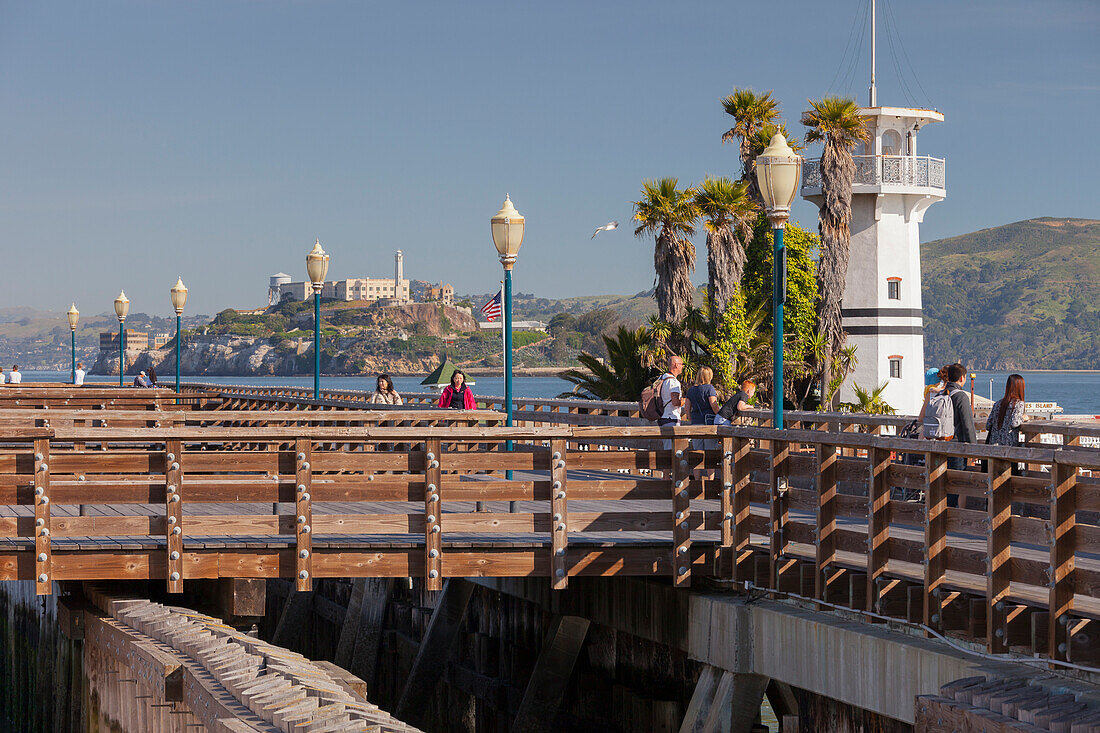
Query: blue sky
{"x":215,"y":140}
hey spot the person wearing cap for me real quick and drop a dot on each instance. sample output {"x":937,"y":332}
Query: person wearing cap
{"x":141,"y":380}
{"x":934,"y":381}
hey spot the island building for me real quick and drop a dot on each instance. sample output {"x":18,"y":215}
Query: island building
{"x":395,"y":289}
{"x":893,"y":188}
{"x":137,"y":340}
{"x":440,"y":293}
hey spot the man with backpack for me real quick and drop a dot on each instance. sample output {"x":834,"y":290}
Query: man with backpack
{"x":662,"y":403}
{"x":948,"y":417}
{"x":671,"y":392}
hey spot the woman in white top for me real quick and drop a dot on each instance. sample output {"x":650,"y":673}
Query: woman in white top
{"x":3,"y":379}
{"x":385,"y":394}
{"x":79,"y":381}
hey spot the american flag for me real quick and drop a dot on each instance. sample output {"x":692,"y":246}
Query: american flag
{"x":492,"y":309}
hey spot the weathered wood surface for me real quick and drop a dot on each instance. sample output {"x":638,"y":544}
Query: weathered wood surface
{"x":153,"y":669}
{"x":325,"y":500}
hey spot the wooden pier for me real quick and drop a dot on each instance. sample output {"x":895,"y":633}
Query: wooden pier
{"x":104,"y":483}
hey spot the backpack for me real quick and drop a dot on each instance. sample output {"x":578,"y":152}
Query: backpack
{"x":939,"y":418}
{"x":650,"y":404}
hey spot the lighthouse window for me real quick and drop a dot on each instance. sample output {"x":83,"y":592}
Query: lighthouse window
{"x":893,"y":289}
{"x":895,"y":369}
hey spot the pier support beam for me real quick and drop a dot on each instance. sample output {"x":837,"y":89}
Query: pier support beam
{"x":542,"y":698}
{"x":293,"y":618}
{"x":361,"y":633}
{"x":435,"y":649}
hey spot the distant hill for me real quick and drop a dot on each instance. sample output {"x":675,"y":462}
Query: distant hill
{"x":632,"y":310}
{"x":1020,"y":296}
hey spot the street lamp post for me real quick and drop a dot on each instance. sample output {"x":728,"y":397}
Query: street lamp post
{"x":508,"y":227}
{"x":777,"y":173}
{"x":73,"y":315}
{"x":317,"y":268}
{"x":122,"y":307}
{"x":178,"y":294}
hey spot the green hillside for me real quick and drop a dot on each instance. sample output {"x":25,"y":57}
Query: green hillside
{"x":1020,"y":296}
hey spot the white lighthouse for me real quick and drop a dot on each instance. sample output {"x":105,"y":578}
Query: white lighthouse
{"x":881,"y":310}
{"x":400,"y":284}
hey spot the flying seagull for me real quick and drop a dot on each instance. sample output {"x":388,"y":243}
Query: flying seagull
{"x":605,"y":228}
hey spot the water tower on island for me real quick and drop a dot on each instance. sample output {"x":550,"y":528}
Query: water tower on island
{"x":274,"y":287}
{"x":893,"y":187}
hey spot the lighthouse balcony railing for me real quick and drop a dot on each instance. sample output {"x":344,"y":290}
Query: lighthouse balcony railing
{"x":886,"y":170}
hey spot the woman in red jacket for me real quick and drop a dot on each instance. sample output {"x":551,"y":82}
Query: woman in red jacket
{"x":457,"y":396}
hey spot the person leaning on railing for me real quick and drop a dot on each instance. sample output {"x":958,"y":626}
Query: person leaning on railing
{"x":1006,"y":416}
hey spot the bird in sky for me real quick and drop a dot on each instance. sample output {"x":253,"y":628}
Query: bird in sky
{"x":605,"y":228}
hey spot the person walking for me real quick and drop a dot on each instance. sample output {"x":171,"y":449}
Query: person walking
{"x":934,"y":381}
{"x":80,"y":374}
{"x":384,"y":393}
{"x":671,"y":392}
{"x":16,"y":377}
{"x":1006,"y":416}
{"x":964,"y":419}
{"x":736,"y":407}
{"x":702,"y":398}
{"x":456,"y":395}
{"x":153,"y":377}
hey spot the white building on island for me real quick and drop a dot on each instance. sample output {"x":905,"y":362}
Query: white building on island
{"x":881,"y":311}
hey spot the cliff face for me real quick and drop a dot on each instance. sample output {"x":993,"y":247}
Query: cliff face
{"x":250,"y":357}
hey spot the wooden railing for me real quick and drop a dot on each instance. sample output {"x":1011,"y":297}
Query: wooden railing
{"x":830,"y":521}
{"x":533,"y":411}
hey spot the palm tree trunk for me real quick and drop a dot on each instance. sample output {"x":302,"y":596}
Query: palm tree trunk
{"x":834,"y":219}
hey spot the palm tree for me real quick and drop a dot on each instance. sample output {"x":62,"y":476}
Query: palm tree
{"x":837,"y":123}
{"x":727,"y":213}
{"x":750,"y":112}
{"x":869,"y":401}
{"x":669,"y":213}
{"x":622,"y":376}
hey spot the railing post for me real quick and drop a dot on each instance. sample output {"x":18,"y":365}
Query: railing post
{"x":43,"y":557}
{"x":433,"y":514}
{"x":559,"y":509}
{"x":1063,"y":547}
{"x":827,"y":456}
{"x":303,"y":514}
{"x":742,"y":514}
{"x":681,"y":510}
{"x":778,"y":512}
{"x":173,"y":511}
{"x":878,"y":521}
{"x":935,"y":537}
{"x":998,"y":554}
{"x":725,"y":493}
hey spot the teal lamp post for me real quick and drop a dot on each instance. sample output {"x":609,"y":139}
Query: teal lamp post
{"x":777,"y":172}
{"x":508,"y":226}
{"x":73,"y":315}
{"x":122,"y":307}
{"x":178,"y":294}
{"x":317,"y":268}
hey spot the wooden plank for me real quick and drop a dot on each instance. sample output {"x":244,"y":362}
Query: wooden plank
{"x":303,"y":510}
{"x":742,"y":489}
{"x":825,"y":515}
{"x":1063,"y":548}
{"x":173,"y":511}
{"x":878,"y":522}
{"x":559,"y":509}
{"x":778,"y":515}
{"x":538,"y":708}
{"x":725,"y":492}
{"x":681,"y":511}
{"x":43,"y":568}
{"x":433,"y":514}
{"x":999,"y":580}
{"x":935,"y":537}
